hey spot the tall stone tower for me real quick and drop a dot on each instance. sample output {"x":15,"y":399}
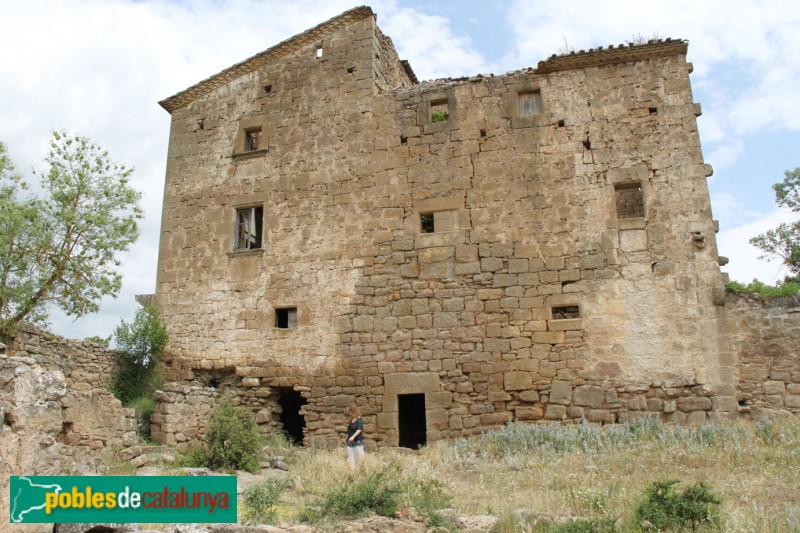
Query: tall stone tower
{"x":450,"y":255}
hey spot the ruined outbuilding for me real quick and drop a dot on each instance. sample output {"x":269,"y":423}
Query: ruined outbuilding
{"x":451,"y":255}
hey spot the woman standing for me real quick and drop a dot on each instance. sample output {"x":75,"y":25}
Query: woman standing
{"x":355,"y":436}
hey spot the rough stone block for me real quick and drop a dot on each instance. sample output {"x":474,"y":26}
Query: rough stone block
{"x":773,"y":387}
{"x":555,"y":412}
{"x":633,"y":240}
{"x":528,"y":413}
{"x":530,"y":396}
{"x":693,"y":403}
{"x":561,"y":392}
{"x":495,"y":419}
{"x":588,"y":396}
{"x":517,"y":381}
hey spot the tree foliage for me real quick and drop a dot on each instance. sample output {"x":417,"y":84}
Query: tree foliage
{"x":61,"y":247}
{"x":138,"y":344}
{"x":784,"y":241}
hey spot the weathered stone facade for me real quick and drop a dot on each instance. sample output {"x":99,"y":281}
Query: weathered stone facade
{"x":546,"y":251}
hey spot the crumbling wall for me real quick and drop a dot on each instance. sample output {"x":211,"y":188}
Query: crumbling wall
{"x":766,"y":336}
{"x":92,"y":417}
{"x":31,"y":414}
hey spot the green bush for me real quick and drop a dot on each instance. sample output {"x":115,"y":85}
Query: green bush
{"x":789,"y":287}
{"x":359,"y":495}
{"x":232,"y":440}
{"x":137,"y":345}
{"x":428,"y":498}
{"x":261,"y":500}
{"x":697,"y":507}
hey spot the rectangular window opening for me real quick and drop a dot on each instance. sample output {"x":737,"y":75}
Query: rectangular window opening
{"x":630,"y":200}
{"x":319,"y":52}
{"x":653,"y":110}
{"x":566,"y":311}
{"x":427,"y":222}
{"x":440,"y":110}
{"x":350,"y":70}
{"x":403,"y":139}
{"x":249,"y":225}
{"x":267,"y":89}
{"x":286,"y":318}
{"x":252,"y":140}
{"x":530,"y":103}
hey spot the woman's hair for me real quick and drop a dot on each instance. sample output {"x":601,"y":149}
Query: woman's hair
{"x":354,"y":412}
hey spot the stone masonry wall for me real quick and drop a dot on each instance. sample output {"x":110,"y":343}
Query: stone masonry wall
{"x":766,"y":335}
{"x":92,"y":417}
{"x":527,"y":230}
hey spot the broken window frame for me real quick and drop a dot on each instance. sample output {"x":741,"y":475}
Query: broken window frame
{"x":249,"y":234}
{"x":621,"y":190}
{"x":529,"y":103}
{"x":439,"y":110}
{"x":286,"y":317}
{"x":427,"y":223}
{"x":252,"y":139}
{"x":565,"y":312}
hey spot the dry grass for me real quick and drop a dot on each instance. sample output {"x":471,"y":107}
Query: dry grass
{"x":589,"y":472}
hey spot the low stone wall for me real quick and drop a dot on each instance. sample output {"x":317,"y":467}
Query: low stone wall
{"x":92,"y":418}
{"x":181,"y":413}
{"x":84,"y":364}
{"x":766,"y":335}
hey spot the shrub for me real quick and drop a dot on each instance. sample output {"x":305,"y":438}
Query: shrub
{"x":428,"y":498}
{"x":232,"y":439}
{"x":359,"y":495}
{"x":694,"y":508}
{"x":260,"y":501}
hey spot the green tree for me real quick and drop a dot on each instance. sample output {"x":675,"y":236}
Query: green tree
{"x":138,"y":344}
{"x":784,"y":241}
{"x":61,"y":248}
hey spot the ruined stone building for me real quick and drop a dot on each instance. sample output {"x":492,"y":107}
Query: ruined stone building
{"x":451,"y":255}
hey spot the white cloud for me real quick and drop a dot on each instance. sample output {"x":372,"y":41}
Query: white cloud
{"x":429,"y":41}
{"x":744,"y":263}
{"x":725,"y":154}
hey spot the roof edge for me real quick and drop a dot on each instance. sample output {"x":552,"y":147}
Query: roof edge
{"x":252,"y":63}
{"x":598,"y":57}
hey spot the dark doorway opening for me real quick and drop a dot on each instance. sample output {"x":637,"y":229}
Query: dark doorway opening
{"x":411,"y":421}
{"x":292,"y":421}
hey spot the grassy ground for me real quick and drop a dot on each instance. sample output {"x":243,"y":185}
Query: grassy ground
{"x":554,"y":472}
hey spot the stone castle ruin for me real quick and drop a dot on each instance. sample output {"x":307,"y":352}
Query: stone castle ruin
{"x":450,"y":255}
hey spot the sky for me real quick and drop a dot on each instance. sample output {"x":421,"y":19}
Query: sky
{"x":99,"y":67}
